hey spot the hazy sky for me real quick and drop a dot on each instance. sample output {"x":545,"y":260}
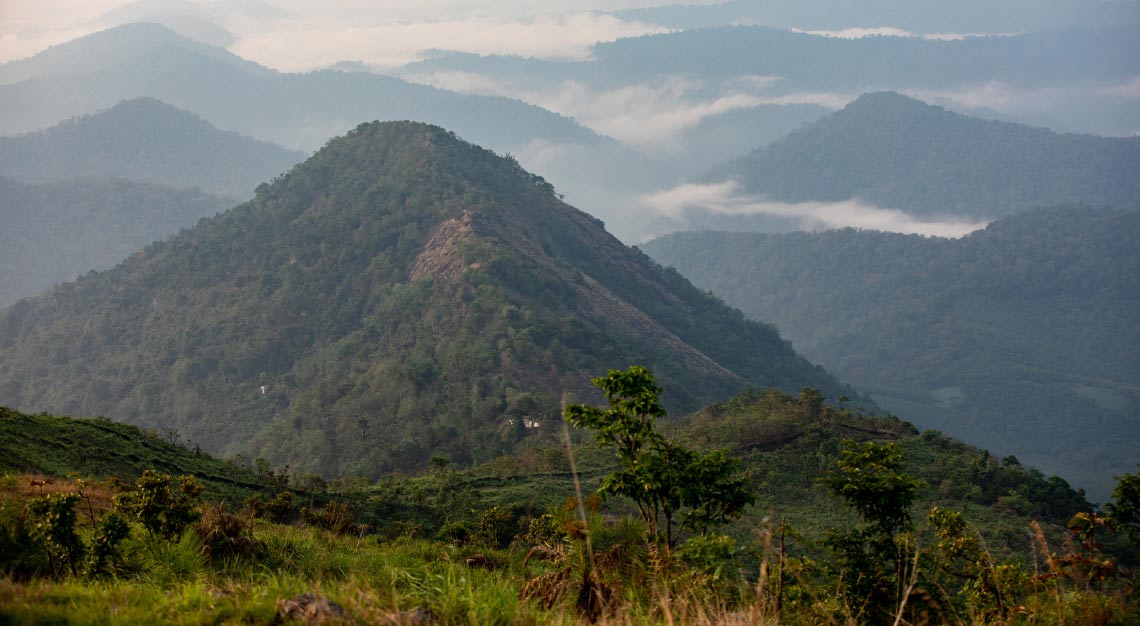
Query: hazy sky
{"x":300,"y":35}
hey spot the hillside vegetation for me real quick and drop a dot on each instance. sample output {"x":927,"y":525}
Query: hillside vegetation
{"x":1020,"y":337}
{"x":53,"y":232}
{"x":899,"y":153}
{"x":399,"y":294}
{"x":508,"y":541}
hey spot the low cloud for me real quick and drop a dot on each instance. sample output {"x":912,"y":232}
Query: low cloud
{"x":308,"y":43}
{"x":858,"y":33}
{"x":724,"y":199}
{"x":650,"y":115}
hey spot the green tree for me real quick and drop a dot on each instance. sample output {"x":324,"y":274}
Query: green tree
{"x":164,"y":505}
{"x":53,"y":526}
{"x":873,"y":559}
{"x":1124,"y":510}
{"x":673,"y":487}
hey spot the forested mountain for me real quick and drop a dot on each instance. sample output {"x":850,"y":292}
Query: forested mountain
{"x":53,"y":232}
{"x":303,"y":111}
{"x":400,"y":293}
{"x":897,"y":152}
{"x":1021,"y":337}
{"x":147,"y":141}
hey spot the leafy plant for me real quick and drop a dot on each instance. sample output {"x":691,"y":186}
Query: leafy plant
{"x":673,"y":487}
{"x":53,"y":520}
{"x":164,"y":505}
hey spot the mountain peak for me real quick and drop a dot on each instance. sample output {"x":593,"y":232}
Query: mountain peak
{"x":402,"y":292}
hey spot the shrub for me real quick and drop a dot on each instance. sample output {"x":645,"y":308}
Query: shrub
{"x":53,"y":527}
{"x":165,"y":506}
{"x":225,"y":535}
{"x":112,"y":529}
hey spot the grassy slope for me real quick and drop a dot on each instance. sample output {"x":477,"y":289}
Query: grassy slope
{"x":100,"y":448}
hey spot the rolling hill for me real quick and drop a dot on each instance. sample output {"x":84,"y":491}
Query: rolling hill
{"x":1020,"y":338}
{"x":897,"y":152}
{"x":399,"y":294}
{"x":54,"y":232}
{"x":147,"y":141}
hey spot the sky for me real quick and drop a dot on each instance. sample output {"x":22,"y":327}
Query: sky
{"x":294,"y":35}
{"x":302,"y":35}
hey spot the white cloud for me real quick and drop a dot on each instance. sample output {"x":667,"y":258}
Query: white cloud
{"x":858,"y":33}
{"x":723,"y":198}
{"x":306,"y":43}
{"x":649,"y":115}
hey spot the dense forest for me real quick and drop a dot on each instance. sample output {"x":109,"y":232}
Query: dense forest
{"x":53,"y":232}
{"x":899,"y":153}
{"x":1020,"y":337}
{"x":146,"y":141}
{"x":399,"y":294}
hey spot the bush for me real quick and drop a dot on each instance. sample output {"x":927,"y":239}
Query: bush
{"x":53,"y":520}
{"x":225,"y":535}
{"x":112,"y":529}
{"x":163,"y":505}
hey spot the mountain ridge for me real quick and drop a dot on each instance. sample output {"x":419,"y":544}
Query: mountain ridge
{"x":401,"y":293}
{"x":149,"y":141}
{"x":898,"y":152}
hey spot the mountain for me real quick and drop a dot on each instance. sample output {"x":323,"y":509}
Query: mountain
{"x":106,"y":49}
{"x":54,"y":232}
{"x":897,"y":152}
{"x":923,"y":16}
{"x":303,"y":111}
{"x":1020,"y":338}
{"x":402,"y":293}
{"x":295,"y":110}
{"x":147,"y":141}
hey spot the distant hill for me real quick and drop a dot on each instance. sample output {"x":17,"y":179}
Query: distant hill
{"x":899,"y":153}
{"x":53,"y":232}
{"x":147,"y":141}
{"x":1045,"y":58}
{"x":1020,"y":338}
{"x":399,"y":294}
{"x":922,"y":16}
{"x":303,"y":111}
{"x":294,"y":110}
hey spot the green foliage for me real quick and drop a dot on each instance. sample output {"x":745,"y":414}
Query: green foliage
{"x":873,"y":560}
{"x":88,"y":224}
{"x":868,"y":477}
{"x":1124,"y":510}
{"x":672,"y":486}
{"x":164,"y":505}
{"x":109,"y":532}
{"x":52,"y":518}
{"x":101,"y":448}
{"x":941,"y":330}
{"x":401,"y":294}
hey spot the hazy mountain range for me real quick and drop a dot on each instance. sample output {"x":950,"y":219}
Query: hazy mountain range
{"x":146,"y":141}
{"x":897,"y":152}
{"x":1020,"y":337}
